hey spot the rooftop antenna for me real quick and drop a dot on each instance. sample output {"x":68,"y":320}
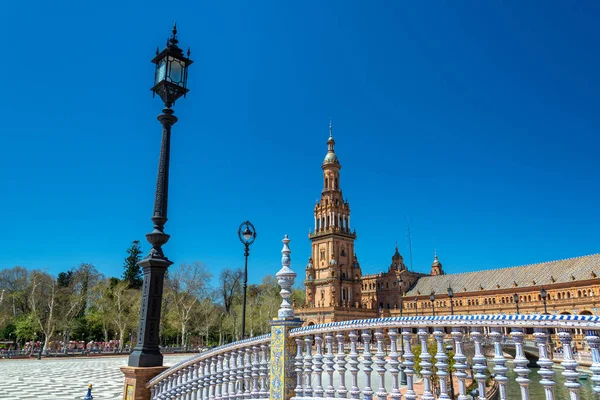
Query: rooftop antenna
{"x":409,"y":243}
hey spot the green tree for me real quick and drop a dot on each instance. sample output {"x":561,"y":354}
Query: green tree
{"x":133,"y":273}
{"x":25,"y":328}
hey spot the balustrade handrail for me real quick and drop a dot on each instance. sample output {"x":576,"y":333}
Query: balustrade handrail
{"x":209,"y":353}
{"x":521,"y":320}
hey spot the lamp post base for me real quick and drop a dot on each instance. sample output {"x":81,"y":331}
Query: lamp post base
{"x":136,"y":381}
{"x":145,"y":358}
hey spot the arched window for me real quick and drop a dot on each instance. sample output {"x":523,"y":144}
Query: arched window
{"x":336,"y":186}
{"x":327,"y":183}
{"x":579,"y":293}
{"x":568,"y":295}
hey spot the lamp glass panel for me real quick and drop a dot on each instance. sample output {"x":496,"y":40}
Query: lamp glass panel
{"x":161,"y":71}
{"x":176,"y":68}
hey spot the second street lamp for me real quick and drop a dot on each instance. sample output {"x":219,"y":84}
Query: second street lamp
{"x":451,"y":295}
{"x":247,"y":235}
{"x":432,"y":298}
{"x":544,"y":295}
{"x":516,"y":299}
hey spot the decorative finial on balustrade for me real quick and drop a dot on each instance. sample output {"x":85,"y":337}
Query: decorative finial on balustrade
{"x":285,"y":279}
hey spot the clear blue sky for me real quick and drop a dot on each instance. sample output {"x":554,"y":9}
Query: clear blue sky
{"x":479,"y":120}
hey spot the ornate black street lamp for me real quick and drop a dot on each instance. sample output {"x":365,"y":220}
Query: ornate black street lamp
{"x":170,"y":83}
{"x":432,"y":298}
{"x":516,"y":299}
{"x":66,"y":349}
{"x":451,"y":295}
{"x":416,"y":306}
{"x":544,"y":295}
{"x":247,"y":235}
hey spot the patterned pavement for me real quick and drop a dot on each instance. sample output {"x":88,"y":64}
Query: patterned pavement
{"x":66,"y":378}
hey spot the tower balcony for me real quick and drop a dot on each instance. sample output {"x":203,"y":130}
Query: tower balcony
{"x":334,"y":230}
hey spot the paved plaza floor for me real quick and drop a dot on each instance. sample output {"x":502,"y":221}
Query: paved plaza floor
{"x":65,"y":378}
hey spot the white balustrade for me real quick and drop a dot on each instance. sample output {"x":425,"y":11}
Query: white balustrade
{"x":240,"y":371}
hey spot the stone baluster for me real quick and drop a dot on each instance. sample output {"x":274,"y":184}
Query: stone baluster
{"x":500,"y":368}
{"x":195,"y":381}
{"x":308,"y":362}
{"x":299,"y":361}
{"x":263,"y":372}
{"x":156,"y":393}
{"x":541,"y":337}
{"x":441,"y":362}
{"x":521,"y":362}
{"x":213,"y":379}
{"x":189,"y":382}
{"x":178,"y":389}
{"x":479,"y":362}
{"x":165,"y":390}
{"x":394,"y":363}
{"x":570,"y":373}
{"x":226,"y":368}
{"x":342,"y":392}
{"x":354,"y":390}
{"x":248,"y":373}
{"x":255,"y":370}
{"x":318,"y":365}
{"x":367,"y":362}
{"x":172,"y":385}
{"x":426,"y":365}
{"x":219,"y":380}
{"x":593,"y":340}
{"x":409,"y":364}
{"x":380,"y":364}
{"x":240,"y":375}
{"x":203,"y":388}
{"x":232,"y":375}
{"x":329,"y":364}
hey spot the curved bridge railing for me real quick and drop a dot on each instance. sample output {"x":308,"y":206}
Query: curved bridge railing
{"x":355,"y":358}
{"x":371,"y":358}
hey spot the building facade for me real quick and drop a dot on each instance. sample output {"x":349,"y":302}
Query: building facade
{"x":336,"y":289}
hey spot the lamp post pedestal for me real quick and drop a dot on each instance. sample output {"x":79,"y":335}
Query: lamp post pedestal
{"x":136,"y":381}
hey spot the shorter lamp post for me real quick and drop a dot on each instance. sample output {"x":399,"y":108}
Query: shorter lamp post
{"x":66,"y":349}
{"x":450,"y":296}
{"x":516,"y":299}
{"x":544,"y":295}
{"x":247,"y":235}
{"x":449,"y":349}
{"x":416,"y":306}
{"x":432,"y":298}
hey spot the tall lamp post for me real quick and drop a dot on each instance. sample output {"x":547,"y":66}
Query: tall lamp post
{"x":544,"y":295}
{"x":516,"y":299}
{"x":247,"y":235}
{"x":432,"y":298}
{"x":170,"y":83}
{"x":450,"y":296}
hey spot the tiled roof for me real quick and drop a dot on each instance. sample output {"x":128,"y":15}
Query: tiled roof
{"x":547,"y":273}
